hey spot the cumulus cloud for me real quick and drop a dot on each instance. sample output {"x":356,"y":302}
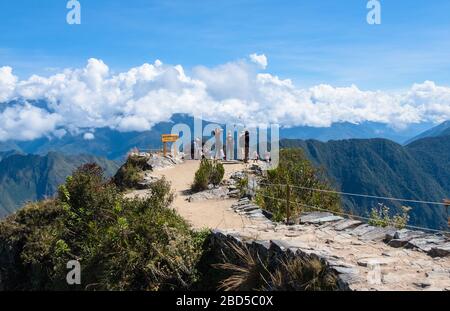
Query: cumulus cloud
{"x":135,"y":100}
{"x":26,"y":122}
{"x":260,"y":60}
{"x":7,"y":83}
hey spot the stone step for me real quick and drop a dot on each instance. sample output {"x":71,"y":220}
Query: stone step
{"x":378,"y":234}
{"x":425,"y":243}
{"x":360,"y":230}
{"x":346,"y":224}
{"x":319,"y":218}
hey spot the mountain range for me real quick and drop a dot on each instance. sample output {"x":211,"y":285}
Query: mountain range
{"x":364,"y":130}
{"x":379,"y":167}
{"x":26,"y":178}
{"x":376,"y":166}
{"x":114,"y":145}
{"x":104,"y":142}
{"x":442,"y":129}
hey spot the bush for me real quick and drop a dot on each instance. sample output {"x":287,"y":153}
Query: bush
{"x":242,"y":186}
{"x":247,"y":271}
{"x":296,"y":170}
{"x":201,"y":178}
{"x":209,"y":172}
{"x":121,"y":244}
{"x":130,"y":174}
{"x":218,"y":171}
{"x":380,"y":217}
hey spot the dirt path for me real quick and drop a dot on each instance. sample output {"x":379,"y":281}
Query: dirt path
{"x":213,"y":214}
{"x":349,"y":253}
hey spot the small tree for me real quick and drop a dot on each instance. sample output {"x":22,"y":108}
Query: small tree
{"x":209,"y":172}
{"x":217,"y":173}
{"x":201,"y":180}
{"x":295,"y":169}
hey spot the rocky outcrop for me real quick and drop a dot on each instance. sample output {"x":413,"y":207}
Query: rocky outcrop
{"x":364,"y":257}
{"x":158,"y":161}
{"x":147,"y":180}
{"x":245,"y":207}
{"x":219,"y":193}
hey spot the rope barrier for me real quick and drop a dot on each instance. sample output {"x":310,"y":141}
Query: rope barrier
{"x":353,"y":216}
{"x":361,"y":195}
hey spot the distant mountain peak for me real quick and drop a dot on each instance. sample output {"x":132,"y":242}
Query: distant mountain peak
{"x":443,"y":129}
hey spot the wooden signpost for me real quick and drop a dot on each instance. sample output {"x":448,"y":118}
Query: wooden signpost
{"x":168,"y":138}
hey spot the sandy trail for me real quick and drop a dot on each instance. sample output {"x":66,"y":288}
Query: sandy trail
{"x":213,"y":214}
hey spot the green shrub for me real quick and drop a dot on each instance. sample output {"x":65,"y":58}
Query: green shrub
{"x":218,"y":171}
{"x":121,"y":244}
{"x":242,"y":185}
{"x":201,"y":180}
{"x":209,"y":172}
{"x":130,"y":174}
{"x":380,"y":217}
{"x":295,"y":169}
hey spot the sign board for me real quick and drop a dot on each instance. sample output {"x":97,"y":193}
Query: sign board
{"x":169,"y":138}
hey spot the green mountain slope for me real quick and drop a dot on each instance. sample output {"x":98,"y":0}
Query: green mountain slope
{"x":383,"y":168}
{"x":433,"y":155}
{"x":442,"y":129}
{"x":32,"y":177}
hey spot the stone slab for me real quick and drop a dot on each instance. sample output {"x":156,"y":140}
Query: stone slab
{"x":346,"y":224}
{"x":440,"y":250}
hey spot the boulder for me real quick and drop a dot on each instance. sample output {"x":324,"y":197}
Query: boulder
{"x":401,"y":237}
{"x":378,"y":234}
{"x":238,"y":175}
{"x":148,"y":179}
{"x":363,"y":229}
{"x":425,"y":243}
{"x":440,"y":250}
{"x":233,"y":193}
{"x":220,"y":193}
{"x":256,"y":169}
{"x":158,"y":162}
{"x":267,"y":214}
{"x":407,"y":234}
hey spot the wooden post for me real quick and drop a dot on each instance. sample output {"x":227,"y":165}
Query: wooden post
{"x":447,"y":204}
{"x":168,"y":138}
{"x":288,"y":203}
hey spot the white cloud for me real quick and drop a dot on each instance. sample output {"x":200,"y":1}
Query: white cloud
{"x":7,"y":83}
{"x":88,"y":136}
{"x":260,"y":60}
{"x":26,"y":122}
{"x":93,"y":97}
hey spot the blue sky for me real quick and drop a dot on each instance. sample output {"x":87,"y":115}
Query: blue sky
{"x":308,"y":41}
{"x":326,"y":64}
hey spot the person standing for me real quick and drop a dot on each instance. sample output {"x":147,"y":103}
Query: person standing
{"x":219,"y":145}
{"x":230,"y":146}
